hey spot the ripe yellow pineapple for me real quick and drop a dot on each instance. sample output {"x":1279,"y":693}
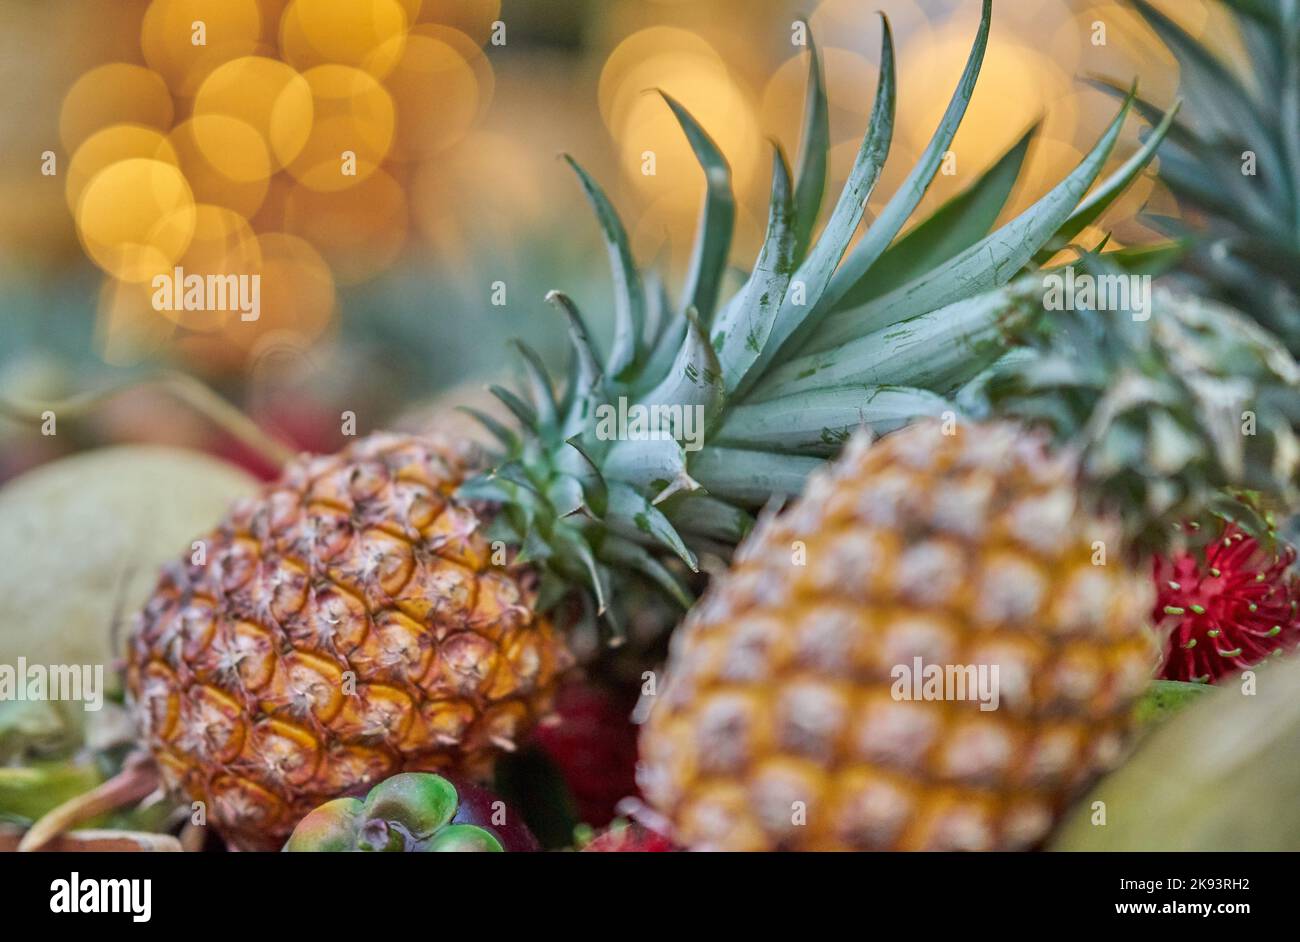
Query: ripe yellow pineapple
{"x":346,"y":625}
{"x":796,"y":712}
{"x":376,"y":562}
{"x":782,"y":723}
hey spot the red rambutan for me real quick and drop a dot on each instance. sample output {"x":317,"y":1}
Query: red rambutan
{"x":623,"y":837}
{"x":592,"y":740}
{"x":1228,"y":606}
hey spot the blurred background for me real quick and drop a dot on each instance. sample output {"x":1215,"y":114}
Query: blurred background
{"x":206,"y":134}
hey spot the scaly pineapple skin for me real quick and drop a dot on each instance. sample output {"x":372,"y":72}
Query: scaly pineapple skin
{"x":358,"y":562}
{"x":961,"y":549}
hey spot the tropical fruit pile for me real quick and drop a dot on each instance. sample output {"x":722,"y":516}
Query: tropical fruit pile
{"x":955,"y":534}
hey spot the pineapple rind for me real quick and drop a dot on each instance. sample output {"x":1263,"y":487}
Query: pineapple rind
{"x":348,"y":624}
{"x":776,"y":727}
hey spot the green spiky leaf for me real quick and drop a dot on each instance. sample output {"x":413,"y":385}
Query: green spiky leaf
{"x":713,"y":239}
{"x":814,"y":273}
{"x":955,"y":226}
{"x":635,"y":517}
{"x":937,"y":350}
{"x":1101,"y":198}
{"x":608,"y":478}
{"x":904,"y":201}
{"x":749,"y":477}
{"x":629,"y":314}
{"x":813,"y":148}
{"x":743,"y":328}
{"x":991,"y":262}
{"x":820,"y":421}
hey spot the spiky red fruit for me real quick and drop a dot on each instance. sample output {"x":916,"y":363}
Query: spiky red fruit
{"x":592,"y":740}
{"x":1229,"y":606}
{"x":623,"y":837}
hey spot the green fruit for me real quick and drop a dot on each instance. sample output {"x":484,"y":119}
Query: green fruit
{"x":463,"y":837}
{"x":1164,"y":698}
{"x":411,"y":812}
{"x":82,"y":540}
{"x":418,"y":802}
{"x":28,"y":793}
{"x":331,"y":827}
{"x":1220,"y":776}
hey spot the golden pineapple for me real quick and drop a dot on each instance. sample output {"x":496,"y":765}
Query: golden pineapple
{"x":962,"y":549}
{"x":345,"y":626}
{"x":796,"y":713}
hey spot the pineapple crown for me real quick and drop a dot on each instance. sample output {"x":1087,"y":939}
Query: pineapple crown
{"x":1169,"y":404}
{"x":1237,"y":162}
{"x":702,"y":410}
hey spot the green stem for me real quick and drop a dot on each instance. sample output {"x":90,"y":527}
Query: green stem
{"x":183,"y":387}
{"x":138,"y":778}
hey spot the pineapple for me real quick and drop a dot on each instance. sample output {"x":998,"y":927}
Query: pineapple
{"x":396,"y":606}
{"x":1019,"y":541}
{"x":1236,"y":164}
{"x":351,"y":626}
